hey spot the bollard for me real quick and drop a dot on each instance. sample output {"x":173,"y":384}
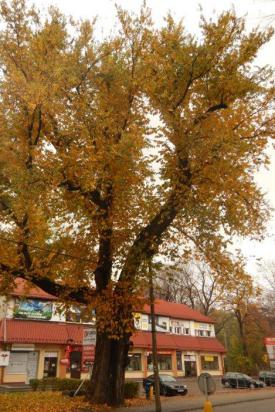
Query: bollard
{"x":151,"y":389}
{"x":208,"y":406}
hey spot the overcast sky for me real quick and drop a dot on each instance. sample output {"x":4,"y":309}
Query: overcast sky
{"x":256,"y":12}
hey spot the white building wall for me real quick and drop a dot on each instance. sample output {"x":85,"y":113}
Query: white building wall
{"x":174,"y":326}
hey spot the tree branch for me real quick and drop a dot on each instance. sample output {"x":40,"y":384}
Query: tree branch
{"x":92,"y":195}
{"x":4,"y":206}
{"x":81,"y":295}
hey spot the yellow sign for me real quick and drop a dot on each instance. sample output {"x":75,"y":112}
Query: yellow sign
{"x":209,"y":358}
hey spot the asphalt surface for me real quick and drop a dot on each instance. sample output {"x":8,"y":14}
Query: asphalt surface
{"x":267,"y":405}
{"x":245,"y":401}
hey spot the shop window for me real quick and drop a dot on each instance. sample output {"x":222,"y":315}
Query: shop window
{"x":179,"y":361}
{"x":134,"y":362}
{"x":209,"y":363}
{"x":164,"y":362}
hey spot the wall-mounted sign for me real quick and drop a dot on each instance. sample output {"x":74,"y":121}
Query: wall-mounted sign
{"x":65,"y":361}
{"x":89,"y":336}
{"x":88,"y":356}
{"x":209,"y":358}
{"x":4,"y":358}
{"x":33,"y":309}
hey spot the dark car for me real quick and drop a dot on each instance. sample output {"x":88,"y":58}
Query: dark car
{"x":168,"y":385}
{"x":240,"y":380}
{"x":267,"y":377}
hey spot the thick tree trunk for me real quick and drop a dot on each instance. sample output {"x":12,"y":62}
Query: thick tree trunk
{"x":107,"y":382}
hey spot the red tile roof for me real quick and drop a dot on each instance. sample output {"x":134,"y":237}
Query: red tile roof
{"x":22,"y":331}
{"x":162,"y":307}
{"x":166,"y":341}
{"x":178,"y":311}
{"x":24,"y":288}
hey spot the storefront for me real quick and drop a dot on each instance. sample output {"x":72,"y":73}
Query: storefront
{"x":177,"y":355}
{"x":38,"y":349}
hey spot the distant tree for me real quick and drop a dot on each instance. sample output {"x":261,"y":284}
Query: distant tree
{"x":255,"y":327}
{"x":194,"y":284}
{"x":81,"y":201}
{"x":267,"y":272}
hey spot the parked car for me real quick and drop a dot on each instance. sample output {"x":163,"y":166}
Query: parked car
{"x":240,"y":380}
{"x":267,"y":377}
{"x":168,"y":385}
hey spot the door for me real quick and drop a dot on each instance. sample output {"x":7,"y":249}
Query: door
{"x":50,"y":365}
{"x":32,"y":364}
{"x":190,"y":368}
{"x":75,"y":364}
{"x":240,"y":381}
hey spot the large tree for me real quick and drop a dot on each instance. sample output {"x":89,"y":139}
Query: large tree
{"x":114,"y":151}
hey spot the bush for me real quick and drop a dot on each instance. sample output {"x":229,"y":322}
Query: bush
{"x":131,"y":390}
{"x":34,"y":384}
{"x":57,"y":384}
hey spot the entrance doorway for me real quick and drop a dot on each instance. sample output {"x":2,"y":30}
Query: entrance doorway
{"x":75,"y":364}
{"x":50,"y":365}
{"x":190,"y":365}
{"x":190,"y":368}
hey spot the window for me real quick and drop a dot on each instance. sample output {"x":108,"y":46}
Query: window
{"x":186,"y":331}
{"x":178,"y":330}
{"x":208,"y":333}
{"x":73,"y":316}
{"x":179,"y":361}
{"x":77,"y":315}
{"x":199,"y":332}
{"x":164,"y":362}
{"x":209,"y":363}
{"x":134,"y":362}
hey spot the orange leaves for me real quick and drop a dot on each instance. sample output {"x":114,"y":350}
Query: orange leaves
{"x":43,"y":402}
{"x":85,"y":173}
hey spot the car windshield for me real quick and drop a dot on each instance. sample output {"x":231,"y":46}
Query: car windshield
{"x":167,"y":378}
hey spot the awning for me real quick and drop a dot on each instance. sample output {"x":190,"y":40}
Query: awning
{"x":26,"y":331}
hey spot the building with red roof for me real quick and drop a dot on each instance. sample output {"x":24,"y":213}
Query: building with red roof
{"x":43,"y":341}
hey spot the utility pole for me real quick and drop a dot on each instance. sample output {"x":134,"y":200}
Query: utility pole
{"x":154,"y":339}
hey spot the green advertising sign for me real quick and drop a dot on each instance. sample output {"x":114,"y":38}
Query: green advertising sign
{"x":33,"y":309}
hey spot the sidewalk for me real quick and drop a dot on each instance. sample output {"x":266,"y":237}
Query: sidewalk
{"x":195,"y":403}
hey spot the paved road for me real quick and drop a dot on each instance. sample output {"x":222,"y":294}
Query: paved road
{"x":255,"y":406}
{"x":234,"y":399}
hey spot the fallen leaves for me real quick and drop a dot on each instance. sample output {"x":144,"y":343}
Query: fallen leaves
{"x":43,"y":402}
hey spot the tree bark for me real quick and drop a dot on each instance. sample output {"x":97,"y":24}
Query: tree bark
{"x":107,"y":382}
